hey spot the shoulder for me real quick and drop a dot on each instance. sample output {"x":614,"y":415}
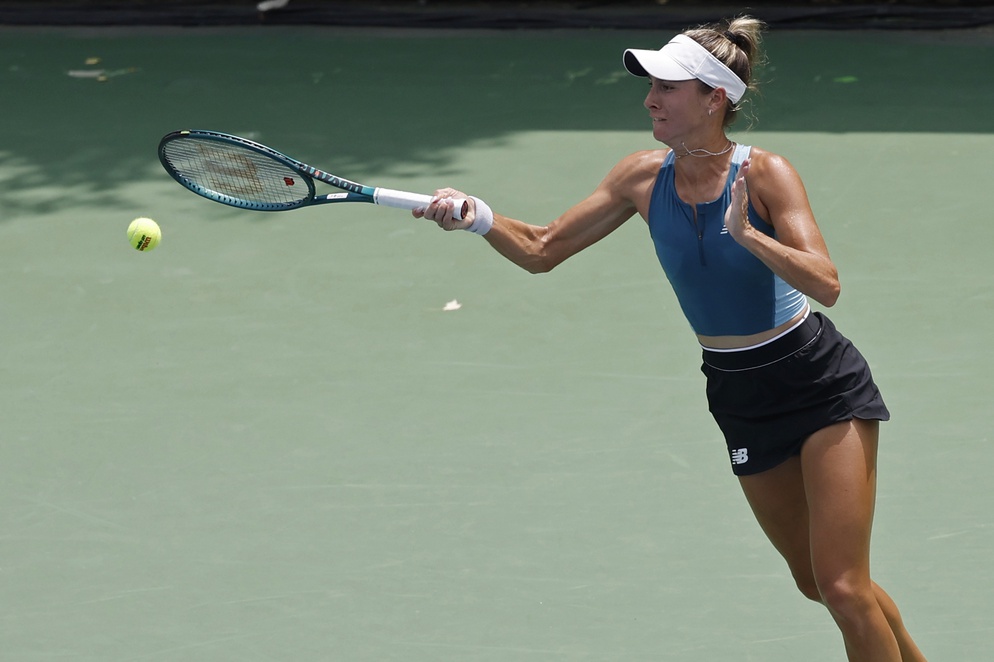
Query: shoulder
{"x":636,"y":168}
{"x":769,"y":167}
{"x":651,"y":159}
{"x":629,"y":183}
{"x":633,"y":178}
{"x":774,"y":184}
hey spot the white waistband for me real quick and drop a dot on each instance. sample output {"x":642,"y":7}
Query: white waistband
{"x":807,"y":311}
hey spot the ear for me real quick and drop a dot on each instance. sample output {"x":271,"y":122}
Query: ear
{"x":718,"y":100}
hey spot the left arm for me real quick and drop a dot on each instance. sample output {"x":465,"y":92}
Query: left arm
{"x":798,"y":254}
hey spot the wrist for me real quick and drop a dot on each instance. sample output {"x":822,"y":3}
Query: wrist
{"x":483,"y":220}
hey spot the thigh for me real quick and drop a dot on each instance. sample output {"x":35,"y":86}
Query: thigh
{"x":778,"y":500}
{"x":817,"y":509}
{"x":839,"y":467}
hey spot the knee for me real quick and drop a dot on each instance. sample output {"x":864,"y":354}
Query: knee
{"x":804,"y":578}
{"x":808,"y":588}
{"x":846,"y":599}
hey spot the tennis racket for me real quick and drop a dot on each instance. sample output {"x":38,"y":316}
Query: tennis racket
{"x":242,"y":173}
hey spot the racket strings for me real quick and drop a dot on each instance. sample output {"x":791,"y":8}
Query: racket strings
{"x":236,"y":172}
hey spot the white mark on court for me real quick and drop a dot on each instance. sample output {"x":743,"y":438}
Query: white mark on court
{"x":953,"y":534}
{"x":74,"y":513}
{"x":787,"y":638}
{"x":612,"y":78}
{"x":573,"y":75}
{"x":124,"y":594}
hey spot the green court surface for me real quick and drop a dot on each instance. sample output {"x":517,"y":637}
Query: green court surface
{"x":267,"y":439}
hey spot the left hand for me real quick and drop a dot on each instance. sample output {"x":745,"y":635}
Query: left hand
{"x":737,"y":214}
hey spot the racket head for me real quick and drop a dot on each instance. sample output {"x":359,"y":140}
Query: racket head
{"x":235,"y":171}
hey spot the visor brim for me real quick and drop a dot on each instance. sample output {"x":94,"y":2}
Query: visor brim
{"x":657,"y":64}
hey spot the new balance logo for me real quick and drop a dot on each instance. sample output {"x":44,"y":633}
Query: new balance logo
{"x":740,"y":456}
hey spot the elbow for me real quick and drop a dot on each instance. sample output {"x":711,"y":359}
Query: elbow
{"x":830,"y":295}
{"x":540,"y":266}
{"x":544,"y":261}
{"x":541,"y":258}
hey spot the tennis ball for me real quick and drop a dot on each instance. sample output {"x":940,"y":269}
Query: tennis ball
{"x":144,"y":234}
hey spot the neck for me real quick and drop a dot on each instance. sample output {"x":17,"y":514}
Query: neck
{"x":704,"y":149}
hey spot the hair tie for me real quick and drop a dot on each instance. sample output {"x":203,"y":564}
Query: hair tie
{"x":731,"y":36}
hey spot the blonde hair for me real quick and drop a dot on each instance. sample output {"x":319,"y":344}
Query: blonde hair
{"x":738,"y":44}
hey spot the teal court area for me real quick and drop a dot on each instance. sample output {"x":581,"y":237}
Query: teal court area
{"x":269,"y":440}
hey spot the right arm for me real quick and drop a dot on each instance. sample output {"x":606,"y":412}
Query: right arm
{"x":538,"y":249}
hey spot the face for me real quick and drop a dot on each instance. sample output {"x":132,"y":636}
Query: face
{"x":678,"y":109}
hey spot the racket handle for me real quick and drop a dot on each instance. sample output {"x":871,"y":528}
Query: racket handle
{"x":404,"y":200}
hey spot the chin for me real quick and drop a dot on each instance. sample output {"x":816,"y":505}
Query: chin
{"x":660,"y":133}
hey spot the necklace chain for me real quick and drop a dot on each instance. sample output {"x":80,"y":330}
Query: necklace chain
{"x":702,"y":153}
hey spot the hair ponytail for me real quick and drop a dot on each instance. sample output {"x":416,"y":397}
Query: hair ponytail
{"x":738,"y":44}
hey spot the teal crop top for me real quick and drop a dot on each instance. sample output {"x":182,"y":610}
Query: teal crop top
{"x":723,"y":289}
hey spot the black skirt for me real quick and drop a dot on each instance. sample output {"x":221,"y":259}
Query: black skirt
{"x":768,"y":400}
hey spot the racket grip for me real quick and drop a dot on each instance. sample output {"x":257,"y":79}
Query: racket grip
{"x":404,"y":200}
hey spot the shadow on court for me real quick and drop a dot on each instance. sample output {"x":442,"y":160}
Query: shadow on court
{"x":366,"y":103}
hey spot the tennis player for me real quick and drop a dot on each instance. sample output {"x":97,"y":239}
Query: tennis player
{"x":736,"y":237}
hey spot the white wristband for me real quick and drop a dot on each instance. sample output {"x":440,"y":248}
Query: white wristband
{"x":484,"y":217}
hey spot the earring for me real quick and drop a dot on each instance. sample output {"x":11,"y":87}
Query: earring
{"x":710,"y":112}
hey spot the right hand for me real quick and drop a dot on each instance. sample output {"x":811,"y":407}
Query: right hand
{"x":442,"y":207}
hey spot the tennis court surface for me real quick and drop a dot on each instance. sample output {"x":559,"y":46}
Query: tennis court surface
{"x":268,"y":439}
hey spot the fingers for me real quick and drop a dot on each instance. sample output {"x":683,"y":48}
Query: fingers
{"x":442,"y":210}
{"x":740,"y":177}
{"x":737,"y":214}
{"x":740,"y":188}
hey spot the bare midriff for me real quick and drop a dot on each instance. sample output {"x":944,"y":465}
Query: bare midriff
{"x":742,"y":342}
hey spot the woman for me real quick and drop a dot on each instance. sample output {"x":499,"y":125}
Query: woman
{"x":736,"y":236}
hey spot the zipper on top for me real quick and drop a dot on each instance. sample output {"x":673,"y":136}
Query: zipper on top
{"x":698,"y":222}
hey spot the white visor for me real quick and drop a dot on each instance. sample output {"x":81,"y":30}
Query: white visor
{"x":685,"y":59}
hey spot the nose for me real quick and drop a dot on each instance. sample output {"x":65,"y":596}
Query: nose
{"x":650,"y":100}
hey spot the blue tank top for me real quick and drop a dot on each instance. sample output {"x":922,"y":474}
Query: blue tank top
{"x":723,"y":289}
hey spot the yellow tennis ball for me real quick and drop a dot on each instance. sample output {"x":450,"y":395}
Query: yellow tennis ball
{"x":144,"y":234}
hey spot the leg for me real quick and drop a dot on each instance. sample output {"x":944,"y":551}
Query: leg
{"x":838,"y":465}
{"x":779,"y":499}
{"x":909,"y":650}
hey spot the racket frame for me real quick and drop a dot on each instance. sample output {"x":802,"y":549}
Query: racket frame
{"x":349,"y":191}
